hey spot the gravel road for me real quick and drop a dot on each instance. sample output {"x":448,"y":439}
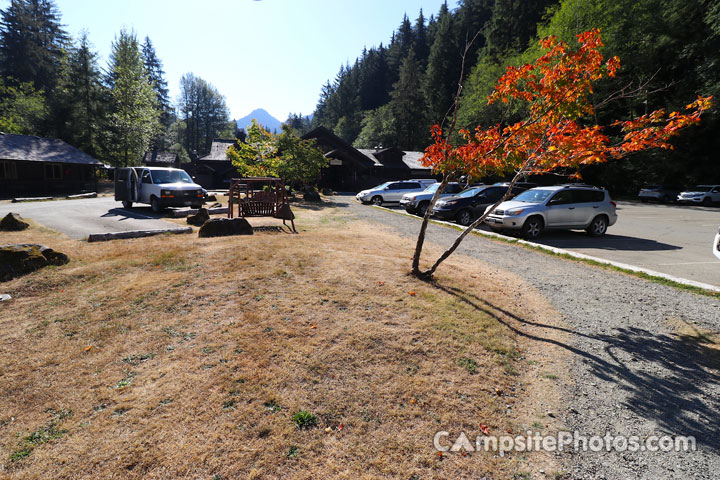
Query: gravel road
{"x":631,"y":374}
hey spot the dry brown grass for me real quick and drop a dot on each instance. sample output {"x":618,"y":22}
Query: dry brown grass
{"x":180,"y":357}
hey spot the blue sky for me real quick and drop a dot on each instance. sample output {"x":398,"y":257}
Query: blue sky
{"x":272,"y":54}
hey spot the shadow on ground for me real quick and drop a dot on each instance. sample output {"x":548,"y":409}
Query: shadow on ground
{"x":143,"y":214}
{"x":572,"y":239}
{"x":333,"y":203}
{"x":668,"y":378}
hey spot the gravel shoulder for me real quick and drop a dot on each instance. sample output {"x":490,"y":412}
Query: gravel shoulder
{"x":640,"y":359}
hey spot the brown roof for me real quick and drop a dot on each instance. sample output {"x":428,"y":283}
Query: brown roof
{"x":160,"y":157}
{"x":39,"y":149}
{"x":218,"y":150}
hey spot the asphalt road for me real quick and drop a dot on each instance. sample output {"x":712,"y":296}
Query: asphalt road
{"x":672,"y":239}
{"x":79,"y":218}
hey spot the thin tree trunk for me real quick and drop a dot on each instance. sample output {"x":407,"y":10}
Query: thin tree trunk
{"x":429,"y":272}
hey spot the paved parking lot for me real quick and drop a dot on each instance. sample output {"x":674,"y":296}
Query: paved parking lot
{"x":672,"y":239}
{"x":79,"y":218}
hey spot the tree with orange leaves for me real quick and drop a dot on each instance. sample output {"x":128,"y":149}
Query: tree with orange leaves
{"x":558,"y":133}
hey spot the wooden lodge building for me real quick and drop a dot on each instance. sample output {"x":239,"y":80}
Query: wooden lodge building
{"x":352,"y":169}
{"x":32,"y":165}
{"x":213,"y":170}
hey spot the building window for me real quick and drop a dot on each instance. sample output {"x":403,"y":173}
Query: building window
{"x":53,"y":171}
{"x":8,"y":171}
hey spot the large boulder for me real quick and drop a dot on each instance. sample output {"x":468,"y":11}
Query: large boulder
{"x":13,"y":222}
{"x":222,"y":227}
{"x":19,"y":259}
{"x":199,"y":218}
{"x":311,"y":196}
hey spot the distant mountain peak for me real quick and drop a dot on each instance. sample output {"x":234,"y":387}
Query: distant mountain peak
{"x":263,"y":118}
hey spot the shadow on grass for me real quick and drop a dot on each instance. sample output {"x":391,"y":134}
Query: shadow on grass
{"x":670,"y":381}
{"x":317,"y":206}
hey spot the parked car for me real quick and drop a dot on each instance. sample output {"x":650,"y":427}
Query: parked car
{"x":160,"y":187}
{"x":418,"y":203}
{"x":392,"y":191}
{"x":523,"y":185}
{"x":470,"y":203}
{"x":716,"y":245}
{"x":659,"y":193}
{"x":703,"y":194}
{"x":559,"y":207}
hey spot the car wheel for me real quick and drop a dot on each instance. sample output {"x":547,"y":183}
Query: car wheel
{"x":706,"y":201}
{"x":598,"y":226}
{"x":155,"y":205}
{"x":422,"y":208}
{"x":377,"y":200}
{"x":665,"y":199}
{"x":643,"y":200}
{"x":411,"y":211}
{"x":127,"y":204}
{"x":533,"y":228}
{"x":464,"y":218}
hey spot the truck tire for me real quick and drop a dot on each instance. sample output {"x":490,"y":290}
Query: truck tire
{"x":127,"y":204}
{"x":155,"y":205}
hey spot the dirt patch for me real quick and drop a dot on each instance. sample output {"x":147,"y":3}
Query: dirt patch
{"x":181,"y":357}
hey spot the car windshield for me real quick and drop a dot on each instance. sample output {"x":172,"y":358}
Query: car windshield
{"x":701,"y":188}
{"x":170,"y":176}
{"x":381,"y":186}
{"x":470,"y":192}
{"x":533,"y":196}
{"x":432,"y":188}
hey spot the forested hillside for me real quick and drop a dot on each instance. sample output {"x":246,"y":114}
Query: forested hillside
{"x":669,"y":52}
{"x":53,"y":85}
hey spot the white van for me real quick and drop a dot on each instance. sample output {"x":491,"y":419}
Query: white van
{"x":157,"y":186}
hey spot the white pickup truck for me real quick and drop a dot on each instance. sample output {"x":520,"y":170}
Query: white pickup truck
{"x":158,"y":186}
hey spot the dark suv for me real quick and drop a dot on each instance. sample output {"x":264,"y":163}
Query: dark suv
{"x":471,"y":203}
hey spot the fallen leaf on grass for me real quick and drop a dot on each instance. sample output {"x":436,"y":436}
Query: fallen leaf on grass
{"x":484,"y":429}
{"x":381,"y":283}
{"x":412,"y":294}
{"x":87,"y":349}
{"x":313,"y":326}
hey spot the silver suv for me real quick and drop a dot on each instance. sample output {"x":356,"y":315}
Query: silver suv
{"x":571,"y":207}
{"x":418,"y":203}
{"x":392,"y":191}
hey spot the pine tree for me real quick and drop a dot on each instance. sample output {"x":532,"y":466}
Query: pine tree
{"x":408,"y":107}
{"x":372,"y":79}
{"x":421,"y":46}
{"x":134,"y":113}
{"x":400,"y":46}
{"x":443,"y":68}
{"x":204,"y":112}
{"x":513,"y":24}
{"x":85,"y":98}
{"x":32,"y":43}
{"x":155,"y":73}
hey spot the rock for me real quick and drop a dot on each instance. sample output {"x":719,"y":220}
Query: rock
{"x":13,"y":222}
{"x":199,"y":218}
{"x":311,"y":196}
{"x":222,"y":227}
{"x":16,"y":260}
